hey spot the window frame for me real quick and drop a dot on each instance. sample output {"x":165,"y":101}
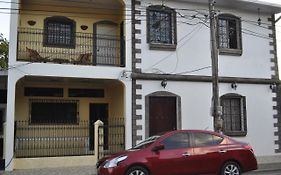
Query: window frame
{"x":53,"y":122}
{"x":243,"y":115}
{"x":60,"y":20}
{"x":173,"y":29}
{"x":230,"y":51}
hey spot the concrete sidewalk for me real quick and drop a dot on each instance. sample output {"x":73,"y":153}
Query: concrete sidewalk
{"x":268,"y":167}
{"x":85,"y":170}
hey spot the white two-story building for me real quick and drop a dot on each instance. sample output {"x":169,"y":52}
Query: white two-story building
{"x":141,"y":67}
{"x":172,"y":70}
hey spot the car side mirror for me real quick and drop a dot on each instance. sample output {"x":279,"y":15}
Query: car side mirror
{"x":158,"y":148}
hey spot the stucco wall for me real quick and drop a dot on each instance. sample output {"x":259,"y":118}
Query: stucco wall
{"x":196,"y":102}
{"x":116,"y":102}
{"x":193,"y":48}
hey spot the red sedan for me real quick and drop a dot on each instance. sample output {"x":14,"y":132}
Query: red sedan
{"x":184,"y":152}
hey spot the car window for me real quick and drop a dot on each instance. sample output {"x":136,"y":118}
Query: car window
{"x":176,"y":141}
{"x":205,"y":139}
{"x":146,"y":142}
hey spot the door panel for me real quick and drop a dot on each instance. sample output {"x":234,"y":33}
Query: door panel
{"x":162,"y":114}
{"x":176,"y":158}
{"x":174,"y":162}
{"x":207,"y":156}
{"x":106,"y":44}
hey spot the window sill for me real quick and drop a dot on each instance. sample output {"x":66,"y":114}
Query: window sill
{"x":161,"y":46}
{"x":233,"y":52}
{"x":235,"y":133}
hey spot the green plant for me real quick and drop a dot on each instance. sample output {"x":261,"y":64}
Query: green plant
{"x":4,"y":52}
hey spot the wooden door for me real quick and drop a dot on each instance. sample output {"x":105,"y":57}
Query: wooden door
{"x":162,"y":114}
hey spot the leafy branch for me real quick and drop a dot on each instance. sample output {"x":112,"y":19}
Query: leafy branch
{"x":4,"y":52}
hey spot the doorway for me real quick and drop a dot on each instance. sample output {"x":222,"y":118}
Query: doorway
{"x":98,"y":112}
{"x":162,"y":114}
{"x":106,"y":43}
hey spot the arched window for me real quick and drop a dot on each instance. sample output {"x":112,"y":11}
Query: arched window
{"x":59,"y":32}
{"x":161,"y":27}
{"x":234,"y":115}
{"x":229,"y":34}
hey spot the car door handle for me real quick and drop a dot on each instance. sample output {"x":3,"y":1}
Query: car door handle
{"x":186,"y":154}
{"x":222,"y":151}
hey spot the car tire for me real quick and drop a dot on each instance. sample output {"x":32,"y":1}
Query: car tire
{"x":231,"y":168}
{"x":137,"y":170}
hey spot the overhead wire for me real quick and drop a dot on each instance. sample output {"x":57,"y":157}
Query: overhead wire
{"x":246,"y":31}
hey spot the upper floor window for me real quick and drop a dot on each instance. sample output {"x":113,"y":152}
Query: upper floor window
{"x":161,"y":27}
{"x":234,"y":115}
{"x":59,"y":32}
{"x":229,"y":34}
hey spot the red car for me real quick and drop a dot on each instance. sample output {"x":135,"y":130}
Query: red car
{"x":182,"y":152}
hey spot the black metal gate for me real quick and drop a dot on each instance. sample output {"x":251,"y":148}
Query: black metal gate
{"x":111,"y":139}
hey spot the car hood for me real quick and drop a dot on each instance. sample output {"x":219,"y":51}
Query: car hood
{"x":112,"y":156}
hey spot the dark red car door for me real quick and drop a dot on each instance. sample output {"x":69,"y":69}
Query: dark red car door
{"x":207,"y":153}
{"x":175,"y":158}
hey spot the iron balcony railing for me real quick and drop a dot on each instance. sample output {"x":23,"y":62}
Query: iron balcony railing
{"x":88,"y":49}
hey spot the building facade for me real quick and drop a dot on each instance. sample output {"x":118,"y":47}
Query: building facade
{"x":172,"y":74}
{"x":142,"y":65}
{"x":66,"y":72}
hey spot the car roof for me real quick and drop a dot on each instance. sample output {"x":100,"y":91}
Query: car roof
{"x":195,"y":131}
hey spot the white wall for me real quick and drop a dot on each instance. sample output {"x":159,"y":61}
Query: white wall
{"x":193,"y":50}
{"x":196,"y":102}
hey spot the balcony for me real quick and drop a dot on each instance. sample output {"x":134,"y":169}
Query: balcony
{"x":87,"y":49}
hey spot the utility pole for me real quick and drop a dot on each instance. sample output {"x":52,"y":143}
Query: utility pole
{"x":217,"y":109}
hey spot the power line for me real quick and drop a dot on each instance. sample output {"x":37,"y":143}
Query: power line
{"x":196,"y":29}
{"x":193,"y":10}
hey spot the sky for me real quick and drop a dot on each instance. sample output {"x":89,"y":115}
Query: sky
{"x":5,"y":23}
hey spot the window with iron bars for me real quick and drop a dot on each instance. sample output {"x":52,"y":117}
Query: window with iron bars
{"x":161,"y":27}
{"x":229,"y":34}
{"x":59,"y":32}
{"x":234,"y":115}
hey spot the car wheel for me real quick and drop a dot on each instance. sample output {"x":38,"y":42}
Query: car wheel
{"x":231,"y":168}
{"x":137,"y":170}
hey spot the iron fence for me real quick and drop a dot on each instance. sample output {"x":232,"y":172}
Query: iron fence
{"x":51,"y":140}
{"x":89,"y":49}
{"x":111,"y":139}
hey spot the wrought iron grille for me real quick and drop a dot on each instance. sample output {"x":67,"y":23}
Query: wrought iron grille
{"x":111,"y":139}
{"x":89,"y":49}
{"x":51,"y":140}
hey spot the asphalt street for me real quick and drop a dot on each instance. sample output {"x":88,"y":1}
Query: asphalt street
{"x":90,"y":170}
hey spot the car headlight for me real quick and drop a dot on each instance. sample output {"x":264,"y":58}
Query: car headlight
{"x":113,"y":163}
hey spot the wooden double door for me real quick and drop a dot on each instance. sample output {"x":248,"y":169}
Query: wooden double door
{"x":162,"y":114}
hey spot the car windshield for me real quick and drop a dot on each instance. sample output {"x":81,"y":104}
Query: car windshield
{"x":146,"y":142}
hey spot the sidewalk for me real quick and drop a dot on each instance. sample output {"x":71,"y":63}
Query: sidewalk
{"x":268,"y":167}
{"x":85,"y":170}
